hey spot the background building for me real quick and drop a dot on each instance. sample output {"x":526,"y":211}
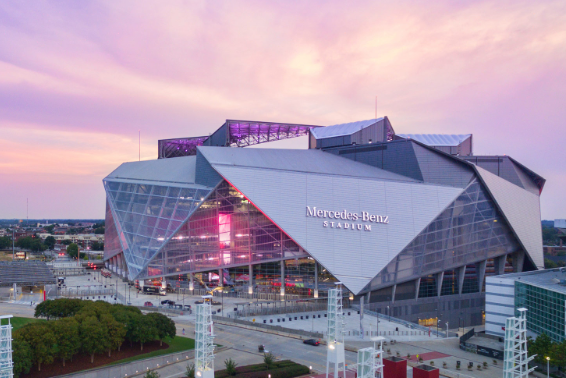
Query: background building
{"x":542,"y":293}
{"x":413,"y":228}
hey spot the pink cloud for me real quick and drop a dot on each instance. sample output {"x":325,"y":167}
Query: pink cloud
{"x":100,"y":71}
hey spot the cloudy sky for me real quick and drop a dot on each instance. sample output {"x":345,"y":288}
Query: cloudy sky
{"x":78,"y":79}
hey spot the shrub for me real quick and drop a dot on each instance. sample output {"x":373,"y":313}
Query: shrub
{"x":268,"y":359}
{"x":230,"y":366}
{"x":191,"y":370}
{"x":151,"y":374}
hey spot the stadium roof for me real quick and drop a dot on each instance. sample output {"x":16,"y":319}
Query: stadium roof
{"x":343,"y":129}
{"x":309,"y":161}
{"x":437,"y":139}
{"x":180,"y":170}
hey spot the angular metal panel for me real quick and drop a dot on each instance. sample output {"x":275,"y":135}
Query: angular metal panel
{"x":521,"y":209}
{"x":352,"y":256}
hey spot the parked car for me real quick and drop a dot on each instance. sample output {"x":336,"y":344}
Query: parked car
{"x":312,"y":342}
{"x":148,"y":304}
{"x":167,"y":302}
{"x":187,"y":307}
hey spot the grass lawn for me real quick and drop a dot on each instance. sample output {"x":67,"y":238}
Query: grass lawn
{"x":178,"y":344}
{"x":18,"y":322}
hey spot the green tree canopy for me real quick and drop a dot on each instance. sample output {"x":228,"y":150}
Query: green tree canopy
{"x":541,"y":346}
{"x":164,"y":326}
{"x":143,"y":329}
{"x":116,"y":332}
{"x":41,"y":339}
{"x":558,"y":354}
{"x":68,"y":338}
{"x":50,"y":242}
{"x":94,"y":336}
{"x":59,"y":308}
{"x":22,"y":356}
{"x":73,"y":250}
{"x":5,"y":242}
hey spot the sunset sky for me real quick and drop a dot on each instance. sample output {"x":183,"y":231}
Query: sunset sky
{"x":78,"y":79}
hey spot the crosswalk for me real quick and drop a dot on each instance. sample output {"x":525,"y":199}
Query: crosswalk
{"x":27,"y":303}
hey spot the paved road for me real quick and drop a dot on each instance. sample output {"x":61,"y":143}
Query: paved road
{"x":243,"y":345}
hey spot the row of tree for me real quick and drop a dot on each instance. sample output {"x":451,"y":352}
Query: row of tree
{"x":543,"y":347}
{"x":77,"y":326}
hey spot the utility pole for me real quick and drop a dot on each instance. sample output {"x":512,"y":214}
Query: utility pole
{"x":13,"y":238}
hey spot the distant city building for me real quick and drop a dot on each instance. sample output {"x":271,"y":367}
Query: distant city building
{"x":75,"y":238}
{"x":542,"y":293}
{"x":414,"y":223}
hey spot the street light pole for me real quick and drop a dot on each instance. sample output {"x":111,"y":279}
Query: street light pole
{"x":446,"y":329}
{"x":547,"y":367}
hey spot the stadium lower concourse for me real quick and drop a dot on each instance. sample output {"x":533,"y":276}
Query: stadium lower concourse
{"x":411,"y":224}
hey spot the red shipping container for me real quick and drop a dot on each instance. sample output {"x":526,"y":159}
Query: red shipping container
{"x":425,"y":371}
{"x":394,"y":367}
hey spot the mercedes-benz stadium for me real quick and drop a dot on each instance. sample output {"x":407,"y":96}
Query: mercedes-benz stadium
{"x":410,"y":223}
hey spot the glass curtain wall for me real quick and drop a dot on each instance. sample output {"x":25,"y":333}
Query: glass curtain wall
{"x":147,"y":215}
{"x":225,"y":231}
{"x":469,"y":230}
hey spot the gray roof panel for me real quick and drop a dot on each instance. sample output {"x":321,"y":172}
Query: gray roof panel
{"x":437,"y":139}
{"x":342,"y":129}
{"x":307,"y":161}
{"x":175,"y":170}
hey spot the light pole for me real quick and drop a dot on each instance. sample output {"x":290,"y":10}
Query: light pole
{"x":547,"y":367}
{"x":388,"y":314}
{"x":446,"y":329}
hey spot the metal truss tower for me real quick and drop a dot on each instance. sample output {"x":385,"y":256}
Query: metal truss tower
{"x":370,"y":360}
{"x":6,"y":364}
{"x":204,"y":348}
{"x":335,"y":338}
{"x":516,"y":360}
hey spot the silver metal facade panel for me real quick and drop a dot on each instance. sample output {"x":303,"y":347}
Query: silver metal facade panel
{"x":352,"y":256}
{"x":522,"y":209}
{"x":178,"y":170}
{"x":438,"y":139}
{"x":309,"y":161}
{"x":443,"y":170}
{"x":371,"y":134}
{"x":342,"y":129}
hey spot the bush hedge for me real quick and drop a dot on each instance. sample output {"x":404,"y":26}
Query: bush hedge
{"x":281,"y":369}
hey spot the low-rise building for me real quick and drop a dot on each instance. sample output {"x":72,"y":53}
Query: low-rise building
{"x":542,"y":293}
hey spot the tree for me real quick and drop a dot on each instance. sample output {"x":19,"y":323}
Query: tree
{"x":94,"y":337}
{"x":99,"y":230}
{"x":50,"y":242}
{"x":116,"y":332}
{"x":49,"y":228}
{"x":5,"y":242}
{"x":97,"y":246}
{"x":143,"y":329}
{"x":549,"y":264}
{"x":41,"y":339}
{"x":73,"y":250}
{"x":66,"y":242}
{"x":164,"y":326}
{"x":558,"y":354}
{"x":22,"y":356}
{"x":59,"y":308}
{"x":541,"y":347}
{"x":68,"y":338}
{"x":268,"y":359}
